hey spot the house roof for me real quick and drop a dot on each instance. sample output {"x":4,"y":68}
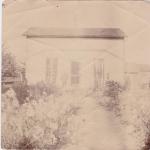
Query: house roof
{"x":136,"y":68}
{"x":104,"y":33}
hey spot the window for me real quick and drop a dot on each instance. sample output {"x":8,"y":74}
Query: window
{"x":75,"y":72}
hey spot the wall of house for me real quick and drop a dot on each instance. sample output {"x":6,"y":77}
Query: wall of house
{"x":132,"y":80}
{"x":138,"y":80}
{"x":114,"y":69}
{"x":86,"y":60}
{"x":84,"y":51}
{"x":144,"y":80}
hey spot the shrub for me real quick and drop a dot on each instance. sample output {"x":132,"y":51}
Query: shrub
{"x":111,"y":94}
{"x":21,"y":90}
{"x":112,"y":89}
{"x":37,"y":90}
{"x":147,"y":143}
{"x":135,"y":115}
{"x":37,"y":124}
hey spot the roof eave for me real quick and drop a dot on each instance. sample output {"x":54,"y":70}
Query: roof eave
{"x":63,"y":36}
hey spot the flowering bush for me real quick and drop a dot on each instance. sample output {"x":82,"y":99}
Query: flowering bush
{"x":135,"y":114}
{"x":37,"y":124}
{"x":110,"y":96}
{"x":112,"y":89}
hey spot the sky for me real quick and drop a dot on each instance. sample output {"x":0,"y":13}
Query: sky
{"x":133,"y":17}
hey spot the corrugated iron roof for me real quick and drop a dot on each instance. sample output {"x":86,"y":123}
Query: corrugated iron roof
{"x":105,"y":33}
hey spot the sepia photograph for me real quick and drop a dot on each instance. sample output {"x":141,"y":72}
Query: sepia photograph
{"x":75,"y":75}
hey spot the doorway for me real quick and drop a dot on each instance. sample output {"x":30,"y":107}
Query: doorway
{"x":98,"y":74}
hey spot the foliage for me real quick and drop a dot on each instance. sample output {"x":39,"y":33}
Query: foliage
{"x":41,"y":124}
{"x":135,"y":115}
{"x":112,"y":89}
{"x":9,"y":66}
{"x":147,"y":143}
{"x":15,"y":74}
{"x":22,"y":91}
{"x":110,"y":97}
{"x":40,"y":88}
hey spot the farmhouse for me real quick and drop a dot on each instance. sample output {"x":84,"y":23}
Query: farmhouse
{"x":82,"y":58}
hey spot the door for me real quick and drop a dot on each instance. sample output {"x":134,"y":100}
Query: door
{"x":98,"y":74}
{"x":75,"y":73}
{"x":51,"y":70}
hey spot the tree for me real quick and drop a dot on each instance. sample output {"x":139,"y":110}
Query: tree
{"x":9,"y":65}
{"x":13,"y":74}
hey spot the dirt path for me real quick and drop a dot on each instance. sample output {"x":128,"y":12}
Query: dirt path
{"x":101,"y":130}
